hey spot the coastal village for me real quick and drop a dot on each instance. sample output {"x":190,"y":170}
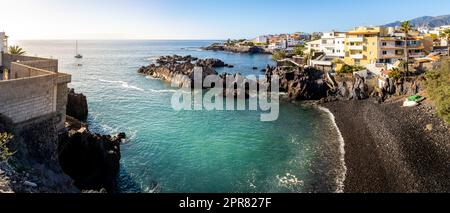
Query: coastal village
{"x":35,"y":95}
{"x":375,"y":48}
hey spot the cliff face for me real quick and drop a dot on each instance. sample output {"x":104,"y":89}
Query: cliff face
{"x":92,"y":160}
{"x":77,"y":106}
{"x":35,"y":167}
{"x":402,"y":86}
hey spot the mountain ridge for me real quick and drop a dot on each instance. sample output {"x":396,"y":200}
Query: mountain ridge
{"x":425,"y":21}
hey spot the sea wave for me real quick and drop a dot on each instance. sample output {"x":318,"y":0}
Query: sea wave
{"x":340,"y":180}
{"x":152,"y":58}
{"x":123,"y":84}
{"x":290,"y":181}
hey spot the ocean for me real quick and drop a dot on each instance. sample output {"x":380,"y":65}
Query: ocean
{"x":172,"y":151}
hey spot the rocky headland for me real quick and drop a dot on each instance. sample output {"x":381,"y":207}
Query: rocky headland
{"x":237,"y":49}
{"x":91,"y":160}
{"x":179,"y":71}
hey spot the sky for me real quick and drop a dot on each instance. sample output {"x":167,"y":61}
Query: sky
{"x":199,"y":19}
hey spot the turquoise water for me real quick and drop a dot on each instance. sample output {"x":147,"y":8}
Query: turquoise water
{"x":196,"y":151}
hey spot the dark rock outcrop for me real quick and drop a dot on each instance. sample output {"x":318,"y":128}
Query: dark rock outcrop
{"x":92,"y":160}
{"x":77,"y":106}
{"x":402,"y":86}
{"x":299,"y":83}
{"x":211,"y":62}
{"x":237,"y":49}
{"x":179,"y":70}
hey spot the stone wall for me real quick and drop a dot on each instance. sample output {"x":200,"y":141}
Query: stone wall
{"x":34,"y":88}
{"x":61,"y":104}
{"x":37,"y":62}
{"x":20,"y":70}
{"x":27,"y":98}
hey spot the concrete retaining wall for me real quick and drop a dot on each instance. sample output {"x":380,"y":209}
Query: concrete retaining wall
{"x":37,"y":62}
{"x":33,"y":88}
{"x":27,"y":98}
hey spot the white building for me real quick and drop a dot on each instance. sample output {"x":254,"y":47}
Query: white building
{"x":261,"y":39}
{"x":292,"y":42}
{"x":331,"y":43}
{"x":314,"y":46}
{"x":282,"y":45}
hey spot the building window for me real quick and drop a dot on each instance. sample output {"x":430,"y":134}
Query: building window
{"x":384,"y":44}
{"x":357,"y":61}
{"x":384,"y":52}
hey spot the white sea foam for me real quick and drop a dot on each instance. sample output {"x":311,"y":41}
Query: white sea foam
{"x":289,"y":180}
{"x":163,"y":91}
{"x":109,"y":129}
{"x":151,"y":77}
{"x":340,"y":180}
{"x":123,"y":84}
{"x":152,"y":58}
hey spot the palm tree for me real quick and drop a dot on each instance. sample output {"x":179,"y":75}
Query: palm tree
{"x":406,"y":27}
{"x":16,"y":50}
{"x":446,"y":35}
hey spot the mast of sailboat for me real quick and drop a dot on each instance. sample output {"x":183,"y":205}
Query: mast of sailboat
{"x":76,"y":49}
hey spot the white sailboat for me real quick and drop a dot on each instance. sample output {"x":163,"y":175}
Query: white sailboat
{"x":77,"y":55}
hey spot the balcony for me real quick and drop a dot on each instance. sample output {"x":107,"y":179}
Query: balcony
{"x":417,"y":55}
{"x":357,"y":56}
{"x":356,"y":47}
{"x":355,"y":39}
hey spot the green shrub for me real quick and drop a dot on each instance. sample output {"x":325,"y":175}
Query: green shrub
{"x":396,"y":73}
{"x":5,"y":153}
{"x":350,"y":69}
{"x":438,"y":88}
{"x":279,"y":55}
{"x":299,"y":50}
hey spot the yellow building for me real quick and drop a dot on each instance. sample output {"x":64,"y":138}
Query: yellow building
{"x":369,"y":45}
{"x":361,"y":45}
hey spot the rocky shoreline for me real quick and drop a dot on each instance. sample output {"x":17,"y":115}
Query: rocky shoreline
{"x":393,"y":149}
{"x":91,"y":160}
{"x":237,"y":49}
{"x":179,"y":72}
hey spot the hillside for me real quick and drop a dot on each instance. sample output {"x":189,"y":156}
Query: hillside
{"x":425,"y":21}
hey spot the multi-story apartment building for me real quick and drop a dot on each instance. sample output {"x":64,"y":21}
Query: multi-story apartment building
{"x":331,"y":43}
{"x":392,"y":49}
{"x":369,"y":45}
{"x":361,"y":45}
{"x":261,"y":39}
